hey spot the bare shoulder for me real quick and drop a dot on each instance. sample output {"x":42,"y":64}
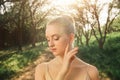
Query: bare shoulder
{"x":93,"y":72}
{"x":40,"y":67}
{"x":40,"y":71}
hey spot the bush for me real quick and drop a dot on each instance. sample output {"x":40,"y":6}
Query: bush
{"x":107,"y":60}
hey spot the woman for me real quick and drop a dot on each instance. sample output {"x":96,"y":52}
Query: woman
{"x":60,"y":34}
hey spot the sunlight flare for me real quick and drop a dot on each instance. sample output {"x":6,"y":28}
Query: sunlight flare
{"x":63,"y":2}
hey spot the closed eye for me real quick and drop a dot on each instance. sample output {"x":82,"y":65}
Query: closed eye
{"x":55,"y":37}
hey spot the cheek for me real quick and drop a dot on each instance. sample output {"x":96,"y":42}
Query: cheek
{"x":62,"y":44}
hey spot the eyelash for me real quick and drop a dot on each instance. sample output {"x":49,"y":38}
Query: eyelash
{"x":55,"y":38}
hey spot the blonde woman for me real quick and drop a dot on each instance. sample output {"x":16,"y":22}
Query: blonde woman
{"x":60,"y":34}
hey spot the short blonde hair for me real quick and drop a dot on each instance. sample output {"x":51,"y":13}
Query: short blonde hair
{"x":64,"y":21}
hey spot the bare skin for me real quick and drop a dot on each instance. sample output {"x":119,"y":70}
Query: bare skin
{"x":65,"y":65}
{"x":78,"y":70}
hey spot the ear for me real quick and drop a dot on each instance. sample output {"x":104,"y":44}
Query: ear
{"x":72,"y":36}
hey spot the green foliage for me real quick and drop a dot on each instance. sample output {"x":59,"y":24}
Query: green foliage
{"x":15,"y":62}
{"x":116,"y":25}
{"x":22,"y":23}
{"x":107,"y":60}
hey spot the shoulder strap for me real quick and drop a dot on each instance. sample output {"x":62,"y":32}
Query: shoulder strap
{"x":88,"y":76}
{"x":48,"y":76}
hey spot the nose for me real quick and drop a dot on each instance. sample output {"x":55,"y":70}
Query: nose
{"x":51,"y":43}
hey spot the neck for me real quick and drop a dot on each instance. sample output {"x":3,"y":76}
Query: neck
{"x":60,"y":59}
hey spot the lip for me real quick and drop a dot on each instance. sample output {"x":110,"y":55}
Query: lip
{"x":53,"y":49}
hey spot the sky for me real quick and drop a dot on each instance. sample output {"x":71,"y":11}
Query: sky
{"x":63,"y":4}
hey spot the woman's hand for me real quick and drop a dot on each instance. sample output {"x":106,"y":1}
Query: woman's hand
{"x":69,"y":56}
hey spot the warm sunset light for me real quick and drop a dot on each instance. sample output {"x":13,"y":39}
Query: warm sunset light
{"x":63,"y":3}
{"x":59,"y":39}
{"x":65,"y":7}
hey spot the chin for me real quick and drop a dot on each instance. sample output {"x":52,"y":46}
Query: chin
{"x":57,"y":54}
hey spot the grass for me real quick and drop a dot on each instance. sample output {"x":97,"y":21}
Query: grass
{"x":13,"y":61}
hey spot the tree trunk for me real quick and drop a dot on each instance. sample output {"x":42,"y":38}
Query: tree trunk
{"x":33,"y":35}
{"x":79,"y":40}
{"x":87,"y":42}
{"x":1,"y":38}
{"x":19,"y":39}
{"x":33,"y":42}
{"x":101,"y":44}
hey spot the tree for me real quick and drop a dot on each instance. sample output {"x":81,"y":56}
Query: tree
{"x":83,"y":23}
{"x":117,"y":4}
{"x":22,"y":15}
{"x":94,"y":9}
{"x":115,"y":27}
{"x":37,"y":18}
{"x":4,"y":22}
{"x":82,"y":19}
{"x":79,"y":34}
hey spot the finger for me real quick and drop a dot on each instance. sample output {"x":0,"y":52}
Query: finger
{"x":73,"y":50}
{"x":67,"y":48}
{"x":72,"y":58}
{"x":72,"y":55}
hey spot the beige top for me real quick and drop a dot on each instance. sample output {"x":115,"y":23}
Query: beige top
{"x":48,"y":76}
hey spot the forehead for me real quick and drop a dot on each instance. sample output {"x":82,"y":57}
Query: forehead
{"x":54,"y":29}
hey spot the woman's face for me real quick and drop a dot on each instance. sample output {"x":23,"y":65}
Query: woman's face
{"x":57,"y":39}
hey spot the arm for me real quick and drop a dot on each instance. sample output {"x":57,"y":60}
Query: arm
{"x":40,"y":72}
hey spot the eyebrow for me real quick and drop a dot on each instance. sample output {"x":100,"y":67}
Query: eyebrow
{"x":54,"y":35}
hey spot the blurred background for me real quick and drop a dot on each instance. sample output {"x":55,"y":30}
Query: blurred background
{"x":22,"y":35}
